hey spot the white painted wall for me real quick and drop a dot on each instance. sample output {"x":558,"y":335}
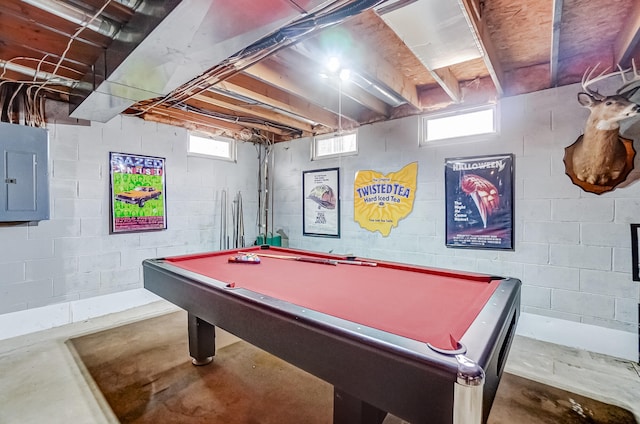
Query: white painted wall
{"x":72,"y":256}
{"x":572,"y":248}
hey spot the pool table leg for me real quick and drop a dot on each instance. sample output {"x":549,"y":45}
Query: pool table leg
{"x":202,"y":340}
{"x":468,"y":391}
{"x":348,"y":409}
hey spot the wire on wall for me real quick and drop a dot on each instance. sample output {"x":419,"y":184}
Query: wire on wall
{"x":22,"y":102}
{"x":264,"y":147}
{"x":20,"y":106}
{"x":273,"y":193}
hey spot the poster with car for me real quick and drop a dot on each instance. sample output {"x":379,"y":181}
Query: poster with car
{"x":479,"y":202}
{"x":138,"y":201}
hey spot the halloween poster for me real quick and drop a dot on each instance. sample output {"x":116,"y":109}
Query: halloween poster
{"x":479,"y":202}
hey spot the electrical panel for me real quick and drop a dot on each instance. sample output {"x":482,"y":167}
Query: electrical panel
{"x":24,"y":173}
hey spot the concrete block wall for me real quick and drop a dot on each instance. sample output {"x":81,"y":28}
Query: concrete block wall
{"x":72,"y":256}
{"x":572,"y":248}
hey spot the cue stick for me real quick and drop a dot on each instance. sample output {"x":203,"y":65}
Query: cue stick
{"x":316,"y":260}
{"x":354,"y":262}
{"x":297,"y":258}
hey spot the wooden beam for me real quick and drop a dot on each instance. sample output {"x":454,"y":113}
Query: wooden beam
{"x":486,"y":46}
{"x":23,"y":33}
{"x":379,"y":69}
{"x":272,"y":126}
{"x":555,"y":40}
{"x":161,"y":117}
{"x":256,"y":111}
{"x":168,"y":120}
{"x":285,"y":78}
{"x":627,"y":42}
{"x":289,"y":79}
{"x":202,"y":119}
{"x":310,"y":66}
{"x":480,"y":92}
{"x":449,"y":83}
{"x":277,"y":76}
{"x":196,"y":118}
{"x":247,"y":86}
{"x":41,"y":21}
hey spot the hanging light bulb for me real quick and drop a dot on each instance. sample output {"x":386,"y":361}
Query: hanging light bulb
{"x":333,"y":64}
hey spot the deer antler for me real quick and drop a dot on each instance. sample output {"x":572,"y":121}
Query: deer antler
{"x":625,"y":90}
{"x":588,"y":79}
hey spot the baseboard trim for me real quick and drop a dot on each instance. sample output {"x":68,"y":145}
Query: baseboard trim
{"x":620,"y":344}
{"x":31,"y":320}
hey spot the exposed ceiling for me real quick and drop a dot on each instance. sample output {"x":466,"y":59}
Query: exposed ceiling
{"x":257,"y":69}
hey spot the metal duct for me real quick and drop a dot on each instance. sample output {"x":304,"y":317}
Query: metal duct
{"x":376,"y":89}
{"x":41,"y":75}
{"x":360,"y":78}
{"x":100,"y":25}
{"x":392,"y":5}
{"x":177,"y":43}
{"x":131,"y":4}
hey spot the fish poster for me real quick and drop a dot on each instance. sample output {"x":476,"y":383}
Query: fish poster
{"x":380,"y":201}
{"x":479,"y":202}
{"x":321,"y":205}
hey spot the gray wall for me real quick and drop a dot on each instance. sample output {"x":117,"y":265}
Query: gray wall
{"x":572,"y":248}
{"x":72,"y":256}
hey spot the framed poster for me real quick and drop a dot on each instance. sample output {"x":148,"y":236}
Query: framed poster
{"x":479,"y":202}
{"x":635,"y":247}
{"x":138,"y":193}
{"x":320,"y":204}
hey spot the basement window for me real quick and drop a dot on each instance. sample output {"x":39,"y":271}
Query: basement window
{"x":333,"y":145}
{"x":462,"y":124}
{"x":212,"y":147}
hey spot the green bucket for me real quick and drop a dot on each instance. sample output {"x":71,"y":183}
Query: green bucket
{"x":273,"y":240}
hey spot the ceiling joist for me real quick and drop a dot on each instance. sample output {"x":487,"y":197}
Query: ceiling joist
{"x":448,"y":82}
{"x":471,"y":52}
{"x":269,"y":96}
{"x":255,"y":111}
{"x":555,"y":40}
{"x":485,"y":44}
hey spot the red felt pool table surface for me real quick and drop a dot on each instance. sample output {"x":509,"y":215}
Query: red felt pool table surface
{"x":425,"y":304}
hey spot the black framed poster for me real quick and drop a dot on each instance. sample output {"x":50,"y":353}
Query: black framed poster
{"x":138,"y":193}
{"x":321,"y":205}
{"x":635,"y":247}
{"x":479,"y":202}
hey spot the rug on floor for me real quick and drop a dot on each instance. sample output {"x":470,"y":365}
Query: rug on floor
{"x":144,"y":373}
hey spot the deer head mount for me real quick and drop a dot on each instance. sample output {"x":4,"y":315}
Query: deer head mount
{"x":601,"y":159}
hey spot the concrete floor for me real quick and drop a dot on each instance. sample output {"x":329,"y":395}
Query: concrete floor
{"x":41,"y":380}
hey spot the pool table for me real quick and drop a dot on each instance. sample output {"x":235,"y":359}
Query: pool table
{"x":425,"y":344}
